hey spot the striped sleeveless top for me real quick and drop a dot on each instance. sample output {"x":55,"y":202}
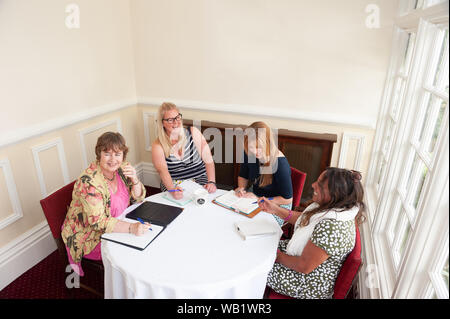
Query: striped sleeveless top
{"x":191,"y":166}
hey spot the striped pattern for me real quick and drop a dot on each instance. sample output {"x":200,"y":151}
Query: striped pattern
{"x":191,"y":166}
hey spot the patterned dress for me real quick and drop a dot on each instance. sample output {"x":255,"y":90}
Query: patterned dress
{"x":337,"y":238}
{"x":89,"y":214}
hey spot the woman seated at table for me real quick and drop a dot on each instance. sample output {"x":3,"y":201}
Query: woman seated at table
{"x":266,"y":167}
{"x":181,"y":153}
{"x":307,"y":265}
{"x":101,"y":193}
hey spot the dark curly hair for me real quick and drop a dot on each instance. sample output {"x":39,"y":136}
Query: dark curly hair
{"x":346,"y":191}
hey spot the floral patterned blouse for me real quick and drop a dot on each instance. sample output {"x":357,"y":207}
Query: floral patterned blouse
{"x":89,"y":214}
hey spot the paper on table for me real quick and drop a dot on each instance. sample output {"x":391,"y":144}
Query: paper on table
{"x":245,"y":205}
{"x":189,"y":187}
{"x":131,"y":240}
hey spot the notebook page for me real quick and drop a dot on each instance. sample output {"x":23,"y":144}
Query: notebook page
{"x":133,"y":240}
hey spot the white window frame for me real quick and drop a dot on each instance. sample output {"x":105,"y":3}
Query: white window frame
{"x":412,"y":277}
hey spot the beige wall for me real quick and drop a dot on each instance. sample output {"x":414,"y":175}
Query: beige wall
{"x":48,"y":71}
{"x":305,"y":58}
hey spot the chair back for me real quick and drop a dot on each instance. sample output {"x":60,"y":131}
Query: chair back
{"x":349,"y":270}
{"x":55,"y":208}
{"x":298,"y":181}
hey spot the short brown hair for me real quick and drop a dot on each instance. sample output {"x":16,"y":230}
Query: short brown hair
{"x":111,"y":141}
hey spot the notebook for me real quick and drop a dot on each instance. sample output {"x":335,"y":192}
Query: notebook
{"x":133,"y":241}
{"x":251,"y":229}
{"x":189,"y":187}
{"x":155,"y":213}
{"x":241,"y":205}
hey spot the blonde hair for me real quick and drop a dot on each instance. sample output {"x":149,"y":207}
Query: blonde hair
{"x":163,"y":138}
{"x":261,"y":133}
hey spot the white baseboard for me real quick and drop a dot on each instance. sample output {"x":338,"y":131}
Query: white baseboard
{"x":24,"y":252}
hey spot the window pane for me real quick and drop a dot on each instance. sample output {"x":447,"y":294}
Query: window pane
{"x":406,"y":58}
{"x":395,"y":218}
{"x":397,"y":96}
{"x":406,"y":230}
{"x":423,"y":175}
{"x":388,"y":136}
{"x":410,"y":171}
{"x":437,"y":126}
{"x":439,"y":82}
{"x":445,"y":273}
{"x":430,"y":100}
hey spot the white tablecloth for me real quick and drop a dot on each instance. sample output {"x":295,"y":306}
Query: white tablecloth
{"x":199,"y":255}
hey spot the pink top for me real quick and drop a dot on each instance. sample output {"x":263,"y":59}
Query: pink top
{"x":119,"y":202}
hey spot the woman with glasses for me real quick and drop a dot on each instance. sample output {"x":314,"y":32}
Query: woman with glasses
{"x":181,"y":153}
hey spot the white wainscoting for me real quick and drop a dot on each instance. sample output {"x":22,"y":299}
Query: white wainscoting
{"x":346,"y":138}
{"x":270,"y":111}
{"x":148,"y":118}
{"x":94,"y":128}
{"x":13,"y":194}
{"x":24,"y":252}
{"x":58,"y":143}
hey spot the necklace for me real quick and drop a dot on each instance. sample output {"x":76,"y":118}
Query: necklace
{"x":110,"y":179}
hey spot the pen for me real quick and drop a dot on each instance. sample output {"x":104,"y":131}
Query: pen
{"x":262,"y":200}
{"x":142,"y":222}
{"x":174,"y":190}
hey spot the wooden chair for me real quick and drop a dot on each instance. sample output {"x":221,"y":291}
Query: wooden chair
{"x":55,"y":207}
{"x":345,"y":278}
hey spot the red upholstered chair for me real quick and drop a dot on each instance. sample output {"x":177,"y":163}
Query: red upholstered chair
{"x":349,"y":270}
{"x":55,"y":207}
{"x":345,"y":278}
{"x":298,"y":181}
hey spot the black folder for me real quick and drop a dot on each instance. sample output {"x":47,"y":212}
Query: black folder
{"x":155,"y":213}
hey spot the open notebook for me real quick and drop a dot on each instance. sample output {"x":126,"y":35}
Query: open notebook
{"x":133,"y":241}
{"x":189,"y":187}
{"x":244,"y":206}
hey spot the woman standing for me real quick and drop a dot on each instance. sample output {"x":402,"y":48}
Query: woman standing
{"x":181,"y":153}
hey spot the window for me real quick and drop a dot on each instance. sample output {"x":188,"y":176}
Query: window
{"x":408,"y":175}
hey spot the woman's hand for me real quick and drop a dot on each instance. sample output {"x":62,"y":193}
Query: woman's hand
{"x":210,"y":187}
{"x":178,"y":194}
{"x":267,"y":205}
{"x":139,"y":229}
{"x":240,"y":191}
{"x":130,"y":172}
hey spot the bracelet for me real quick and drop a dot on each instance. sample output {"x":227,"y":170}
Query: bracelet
{"x":129,"y":229}
{"x":289,"y":216}
{"x":210,"y":182}
{"x":136,"y":183}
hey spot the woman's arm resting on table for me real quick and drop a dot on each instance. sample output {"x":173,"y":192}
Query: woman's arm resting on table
{"x":311,"y":258}
{"x":160,"y":164}
{"x":205,"y":153}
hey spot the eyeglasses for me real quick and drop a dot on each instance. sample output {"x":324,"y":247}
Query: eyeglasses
{"x":173,"y":119}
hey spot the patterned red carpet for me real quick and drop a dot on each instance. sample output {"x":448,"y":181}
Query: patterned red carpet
{"x":46,"y":280}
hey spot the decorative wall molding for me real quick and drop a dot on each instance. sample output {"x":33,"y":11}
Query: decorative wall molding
{"x":24,"y":252}
{"x":94,"y":128}
{"x":13,"y":194}
{"x":270,"y":111}
{"x":58,"y":143}
{"x":146,"y":116}
{"x":35,"y":130}
{"x":346,"y":138}
{"x":148,"y":174}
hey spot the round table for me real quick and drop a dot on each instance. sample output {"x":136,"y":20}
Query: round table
{"x":199,"y":255}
